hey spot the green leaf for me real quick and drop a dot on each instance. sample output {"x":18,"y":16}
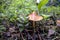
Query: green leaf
{"x":42,"y":3}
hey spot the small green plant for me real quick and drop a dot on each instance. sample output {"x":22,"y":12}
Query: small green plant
{"x":2,"y":28}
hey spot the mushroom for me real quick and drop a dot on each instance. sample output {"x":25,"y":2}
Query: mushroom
{"x":34,"y":17}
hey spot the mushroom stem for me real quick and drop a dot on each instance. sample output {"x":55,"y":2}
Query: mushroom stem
{"x":34,"y":25}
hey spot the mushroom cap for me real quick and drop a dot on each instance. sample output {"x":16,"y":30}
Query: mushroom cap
{"x":58,"y":22}
{"x":34,"y":17}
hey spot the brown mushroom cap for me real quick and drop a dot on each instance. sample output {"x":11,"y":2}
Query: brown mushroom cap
{"x":35,"y":17}
{"x":58,"y":21}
